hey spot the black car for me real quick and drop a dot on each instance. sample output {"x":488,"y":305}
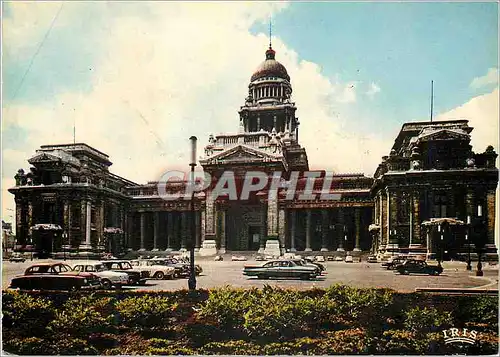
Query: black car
{"x":135,"y":275}
{"x":394,"y":263}
{"x":418,"y":267}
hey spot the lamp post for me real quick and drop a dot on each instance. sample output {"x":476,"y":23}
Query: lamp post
{"x":192,"y":275}
{"x":479,"y":240}
{"x":469,"y":266}
{"x":440,"y":258}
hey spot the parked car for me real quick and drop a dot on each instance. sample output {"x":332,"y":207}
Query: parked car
{"x":339,"y":259}
{"x":349,"y":259}
{"x":54,"y":276}
{"x":17,"y":257}
{"x":157,"y":271}
{"x":282,"y":269}
{"x":108,"y":278}
{"x":320,"y":258}
{"x":372,"y":259}
{"x":418,"y":267}
{"x":309,"y":261}
{"x":181,"y":270}
{"x":238,"y":258}
{"x":394,"y":263}
{"x":135,"y":275}
{"x":260,"y":258}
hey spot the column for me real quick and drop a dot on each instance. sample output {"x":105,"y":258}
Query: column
{"x":20,"y":223}
{"x":210,"y":217}
{"x":293,"y":227}
{"x":129,"y":224}
{"x":184,"y":230}
{"x":143,"y":231}
{"x":197,"y":221}
{"x":470,"y":200}
{"x":324,"y":230}
{"x":357,"y":222}
{"x":222,"y":233}
{"x":272,"y":217}
{"x":83,"y":221}
{"x":416,"y":239}
{"x":100,"y":223}
{"x":274,"y":123}
{"x":490,"y":221}
{"x":262,"y":233}
{"x":281,"y":228}
{"x":341,"y":234}
{"x":308,"y":230}
{"x":67,"y":226}
{"x":203,"y":224}
{"x":156,"y":231}
{"x":87,"y":223}
{"x":170,"y":230}
{"x":258,"y":123}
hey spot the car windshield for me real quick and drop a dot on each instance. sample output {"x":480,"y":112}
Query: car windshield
{"x":126,"y":265}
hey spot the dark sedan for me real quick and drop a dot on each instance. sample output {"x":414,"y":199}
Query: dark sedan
{"x":282,"y":269}
{"x":54,"y":276}
{"x":418,"y":267}
{"x":135,"y":276}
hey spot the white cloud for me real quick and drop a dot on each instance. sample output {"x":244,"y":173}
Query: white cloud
{"x":482,"y":113}
{"x":178,"y":70}
{"x":374,"y":89}
{"x":490,"y":78}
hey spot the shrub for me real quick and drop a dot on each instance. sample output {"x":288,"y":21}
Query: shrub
{"x":226,"y":306}
{"x":26,"y":314}
{"x":64,"y":345}
{"x":422,"y":320}
{"x":83,"y":316}
{"x":145,"y":311}
{"x":237,"y":347}
{"x":480,"y":310}
{"x":158,"y":346}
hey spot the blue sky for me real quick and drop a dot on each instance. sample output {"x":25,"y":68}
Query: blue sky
{"x":400,"y":46}
{"x":138,"y":79}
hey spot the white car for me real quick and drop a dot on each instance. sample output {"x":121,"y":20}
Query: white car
{"x":155,"y":270}
{"x":108,"y":278}
{"x":348,"y":259}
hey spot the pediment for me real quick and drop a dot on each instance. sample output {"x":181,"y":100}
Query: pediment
{"x":242,"y":154}
{"x":444,"y":134}
{"x":42,"y":158}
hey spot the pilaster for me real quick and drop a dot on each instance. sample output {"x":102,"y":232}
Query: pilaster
{"x":143,"y":231}
{"x":324,"y":230}
{"x":308,"y":230}
{"x":357,"y":222}
{"x":293,"y":228}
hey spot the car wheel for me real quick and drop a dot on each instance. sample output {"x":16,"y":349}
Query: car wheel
{"x":159,"y":275}
{"x":106,"y":284}
{"x":406,"y":272}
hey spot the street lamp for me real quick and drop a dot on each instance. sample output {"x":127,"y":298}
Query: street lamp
{"x":469,"y":266}
{"x":479,"y":239}
{"x":192,"y":275}
{"x":441,"y":246}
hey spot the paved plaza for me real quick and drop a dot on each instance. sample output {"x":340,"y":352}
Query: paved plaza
{"x":366,"y":275}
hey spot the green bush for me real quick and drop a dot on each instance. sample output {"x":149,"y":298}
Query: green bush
{"x":145,"y":311}
{"x":227,"y":306}
{"x":63,"y":345}
{"x":26,"y":314}
{"x":422,"y":320}
{"x":235,"y":347}
{"x":83,"y":316}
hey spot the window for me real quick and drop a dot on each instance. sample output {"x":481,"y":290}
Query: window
{"x":440,"y":204}
{"x":77,"y":268}
{"x":89,"y":268}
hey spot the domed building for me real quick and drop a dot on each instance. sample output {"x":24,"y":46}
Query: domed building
{"x":421,"y":200}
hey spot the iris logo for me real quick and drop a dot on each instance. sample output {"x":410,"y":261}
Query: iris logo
{"x":455,"y":335}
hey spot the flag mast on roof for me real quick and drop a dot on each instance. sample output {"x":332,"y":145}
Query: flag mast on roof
{"x":432,"y":98}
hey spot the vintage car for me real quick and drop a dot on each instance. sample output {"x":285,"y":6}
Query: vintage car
{"x":372,"y":259}
{"x":54,"y":276}
{"x":306,"y":262}
{"x":315,"y":262}
{"x":136,"y":275}
{"x":108,"y":278}
{"x":339,"y":259}
{"x":349,"y":259}
{"x":157,"y":271}
{"x":17,"y":257}
{"x":282,"y":269}
{"x":181,"y":268}
{"x":418,"y":267}
{"x":392,"y":264}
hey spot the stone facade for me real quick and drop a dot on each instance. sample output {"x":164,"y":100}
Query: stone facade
{"x":433,"y":174}
{"x":70,"y":201}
